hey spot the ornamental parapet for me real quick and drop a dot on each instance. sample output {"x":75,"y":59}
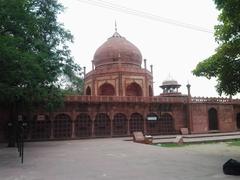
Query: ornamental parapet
{"x":217,"y":100}
{"x":127,"y":99}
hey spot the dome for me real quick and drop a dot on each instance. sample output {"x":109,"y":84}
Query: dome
{"x":117,"y":48}
{"x":170,"y":83}
{"x":170,"y":86}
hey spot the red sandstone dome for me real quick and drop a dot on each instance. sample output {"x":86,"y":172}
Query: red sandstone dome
{"x":115,"y":49}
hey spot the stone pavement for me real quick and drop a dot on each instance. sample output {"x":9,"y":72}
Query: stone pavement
{"x":115,"y":159}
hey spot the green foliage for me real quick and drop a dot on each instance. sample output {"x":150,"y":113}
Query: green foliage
{"x":75,"y":87}
{"x":34,"y":53}
{"x":225,"y":63}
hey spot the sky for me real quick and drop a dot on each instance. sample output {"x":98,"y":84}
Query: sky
{"x":173,"y":51}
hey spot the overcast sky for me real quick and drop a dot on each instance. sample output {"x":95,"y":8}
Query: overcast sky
{"x":169,"y":48}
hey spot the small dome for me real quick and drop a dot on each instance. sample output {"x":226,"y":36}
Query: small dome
{"x":170,"y":83}
{"x":170,"y":86}
{"x":117,"y":48}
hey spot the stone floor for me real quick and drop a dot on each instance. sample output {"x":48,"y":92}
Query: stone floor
{"x":115,"y":159}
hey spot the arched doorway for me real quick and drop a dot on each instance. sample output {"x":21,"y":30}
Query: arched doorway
{"x":40,"y":127}
{"x":166,"y":124}
{"x":133,"y":89}
{"x":238,"y":120}
{"x":83,"y":125}
{"x":152,"y":123}
{"x":212,"y":119}
{"x":62,"y":126}
{"x":102,"y":125}
{"x":136,"y":123}
{"x":88,"y":91}
{"x":119,"y":124}
{"x":106,"y":89}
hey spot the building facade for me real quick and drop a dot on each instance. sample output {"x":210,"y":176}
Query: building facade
{"x":118,"y":100}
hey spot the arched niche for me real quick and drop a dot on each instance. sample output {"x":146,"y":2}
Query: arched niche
{"x":152,"y":122}
{"x":134,"y":89}
{"x":212,"y":119}
{"x":119,"y":124}
{"x":106,"y":89}
{"x":62,"y":126}
{"x":166,"y":124}
{"x":102,"y":125}
{"x":238,"y":120}
{"x":136,"y":123}
{"x":83,"y":125}
{"x":150,"y":90}
{"x":88,"y":91}
{"x":40,"y":127}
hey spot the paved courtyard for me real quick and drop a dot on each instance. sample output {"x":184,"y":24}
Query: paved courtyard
{"x":115,"y":159}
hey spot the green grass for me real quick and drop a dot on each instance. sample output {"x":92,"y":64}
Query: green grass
{"x":174,"y":145}
{"x":171,"y":145}
{"x":234,"y":142}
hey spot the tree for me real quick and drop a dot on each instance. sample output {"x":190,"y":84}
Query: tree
{"x":33,"y":54}
{"x":225,"y":63}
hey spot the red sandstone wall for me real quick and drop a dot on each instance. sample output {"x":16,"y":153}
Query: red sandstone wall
{"x":199,"y":118}
{"x":226,"y":118}
{"x":225,"y":114}
{"x":179,"y":115}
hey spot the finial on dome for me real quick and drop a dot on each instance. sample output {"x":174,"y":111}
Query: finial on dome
{"x":115,"y":26}
{"x":116,"y":34}
{"x":169,"y":78}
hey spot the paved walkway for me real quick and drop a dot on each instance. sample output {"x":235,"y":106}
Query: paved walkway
{"x":115,"y":159}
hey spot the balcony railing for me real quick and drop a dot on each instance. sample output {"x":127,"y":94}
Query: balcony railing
{"x":134,"y":99}
{"x":154,"y":99}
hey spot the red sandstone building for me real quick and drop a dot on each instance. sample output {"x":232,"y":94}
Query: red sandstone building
{"x":118,"y":99}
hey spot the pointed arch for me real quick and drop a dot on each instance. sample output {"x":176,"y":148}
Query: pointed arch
{"x":212,"y":119}
{"x":136,"y":123}
{"x":41,"y":128}
{"x":62,"y":126}
{"x":102,"y":125}
{"x":106,"y":89}
{"x":83,"y":125}
{"x":166,"y":124}
{"x":134,"y":89}
{"x":238,"y":120}
{"x":88,"y":91}
{"x":152,"y":122}
{"x":120,"y":124}
{"x":150,"y":90}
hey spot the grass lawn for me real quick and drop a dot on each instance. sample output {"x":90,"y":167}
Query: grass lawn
{"x":234,"y":142}
{"x":174,"y":145}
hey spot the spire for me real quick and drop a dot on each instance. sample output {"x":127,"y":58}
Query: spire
{"x":115,"y":26}
{"x":169,"y":78}
{"x":116,"y":34}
